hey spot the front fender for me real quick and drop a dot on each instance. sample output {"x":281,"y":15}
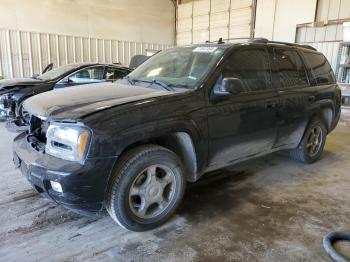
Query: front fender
{"x":113,"y":144}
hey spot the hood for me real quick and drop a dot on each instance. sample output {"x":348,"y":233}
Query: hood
{"x":76,"y":102}
{"x":8,"y":84}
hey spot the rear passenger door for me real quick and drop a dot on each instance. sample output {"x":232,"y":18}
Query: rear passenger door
{"x":243,"y":125}
{"x":295,"y":95}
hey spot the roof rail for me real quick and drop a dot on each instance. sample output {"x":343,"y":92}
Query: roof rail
{"x":308,"y":47}
{"x":262,"y":40}
{"x":294,"y":44}
{"x":221,"y":40}
{"x":259,"y":40}
{"x":255,"y":40}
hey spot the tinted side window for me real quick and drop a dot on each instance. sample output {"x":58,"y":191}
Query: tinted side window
{"x":88,"y":75}
{"x":290,"y":68}
{"x":320,"y":68}
{"x":252,"y":67}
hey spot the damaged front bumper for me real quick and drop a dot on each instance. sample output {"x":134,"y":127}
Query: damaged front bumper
{"x":16,"y":125}
{"x":83,"y":185}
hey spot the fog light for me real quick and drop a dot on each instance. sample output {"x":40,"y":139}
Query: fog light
{"x":56,"y":186}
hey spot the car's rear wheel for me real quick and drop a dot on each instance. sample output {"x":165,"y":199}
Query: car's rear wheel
{"x":146,"y":188}
{"x":311,"y":146}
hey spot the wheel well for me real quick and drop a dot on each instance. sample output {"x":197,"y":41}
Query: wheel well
{"x":181,"y":144}
{"x":326,"y":115}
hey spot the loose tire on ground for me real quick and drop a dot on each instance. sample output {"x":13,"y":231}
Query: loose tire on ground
{"x":146,"y":174}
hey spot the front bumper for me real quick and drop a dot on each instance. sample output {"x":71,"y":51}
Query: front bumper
{"x":83,"y":185}
{"x":16,"y":125}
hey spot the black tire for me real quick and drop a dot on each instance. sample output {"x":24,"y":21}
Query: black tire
{"x":119,"y":200}
{"x":303,"y":153}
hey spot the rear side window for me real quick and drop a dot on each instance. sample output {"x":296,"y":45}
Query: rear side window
{"x":114,"y":74}
{"x":251,"y":66}
{"x":290,"y":67}
{"x":320,"y":68}
{"x":88,"y":75}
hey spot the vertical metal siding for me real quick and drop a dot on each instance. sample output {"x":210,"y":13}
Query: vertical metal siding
{"x":23,"y":54}
{"x":333,"y":10}
{"x":199,"y":21}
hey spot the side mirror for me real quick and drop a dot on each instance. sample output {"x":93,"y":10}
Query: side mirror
{"x":229,"y":86}
{"x":48,"y":68}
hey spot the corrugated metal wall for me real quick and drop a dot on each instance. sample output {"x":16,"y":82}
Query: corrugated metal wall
{"x":203,"y":20}
{"x":332,"y":10}
{"x":26,"y":53}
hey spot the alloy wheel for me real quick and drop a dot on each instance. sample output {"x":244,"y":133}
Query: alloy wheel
{"x":152,"y":191}
{"x":314,"y":141}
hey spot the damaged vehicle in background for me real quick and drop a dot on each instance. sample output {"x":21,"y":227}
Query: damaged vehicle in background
{"x":184,"y":112}
{"x":13,"y":92}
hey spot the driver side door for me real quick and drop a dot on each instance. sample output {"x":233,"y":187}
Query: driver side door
{"x":243,"y":125}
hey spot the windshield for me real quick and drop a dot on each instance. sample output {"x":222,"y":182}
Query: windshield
{"x":57,"y":72}
{"x":182,"y":67}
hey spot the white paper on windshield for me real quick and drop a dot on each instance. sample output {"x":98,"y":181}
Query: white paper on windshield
{"x":205,"y":49}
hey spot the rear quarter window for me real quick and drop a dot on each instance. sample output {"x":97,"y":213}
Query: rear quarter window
{"x":320,"y":68}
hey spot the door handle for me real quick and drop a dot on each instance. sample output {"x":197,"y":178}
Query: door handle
{"x":311,"y":98}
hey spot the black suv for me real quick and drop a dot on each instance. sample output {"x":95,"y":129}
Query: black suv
{"x":186,"y":111}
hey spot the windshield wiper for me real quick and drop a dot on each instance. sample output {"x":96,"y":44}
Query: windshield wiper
{"x":157,"y":82}
{"x":179,"y":85}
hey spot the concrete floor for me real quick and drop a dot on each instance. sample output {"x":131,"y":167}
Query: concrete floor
{"x":269,"y":209}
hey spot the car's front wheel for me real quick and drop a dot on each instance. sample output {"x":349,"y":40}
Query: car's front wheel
{"x":146,"y":188}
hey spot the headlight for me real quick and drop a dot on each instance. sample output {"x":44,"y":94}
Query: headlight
{"x":67,"y":142}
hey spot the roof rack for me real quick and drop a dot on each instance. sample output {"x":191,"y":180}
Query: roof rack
{"x":262,"y":40}
{"x":221,"y":40}
{"x":293,"y":44}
